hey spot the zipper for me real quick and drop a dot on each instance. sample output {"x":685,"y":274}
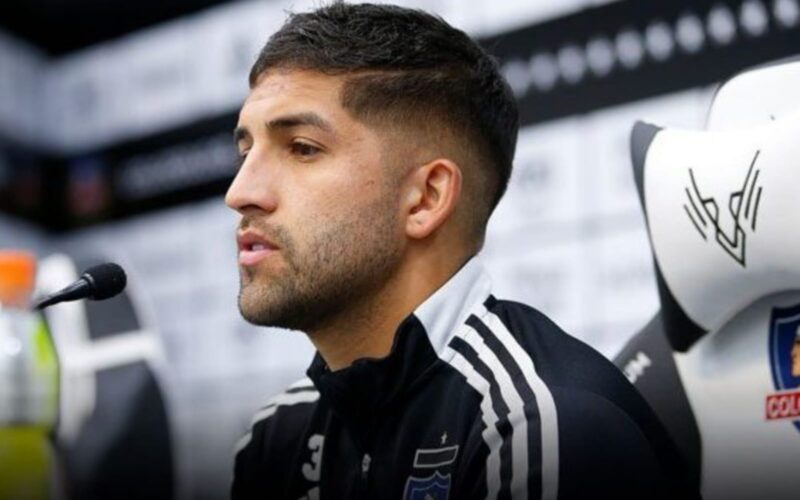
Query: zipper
{"x":366,"y":461}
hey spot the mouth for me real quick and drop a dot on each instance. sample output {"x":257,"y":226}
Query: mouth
{"x":253,"y":248}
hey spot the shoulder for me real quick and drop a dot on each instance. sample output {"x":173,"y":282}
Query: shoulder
{"x":561,"y":360}
{"x":603,"y":423}
{"x":515,"y":356}
{"x":275,"y":433}
{"x":603,"y":449}
{"x":563,"y":406}
{"x":575,"y":373}
{"x":287,"y":413}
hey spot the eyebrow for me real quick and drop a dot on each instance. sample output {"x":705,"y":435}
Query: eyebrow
{"x":309,"y":119}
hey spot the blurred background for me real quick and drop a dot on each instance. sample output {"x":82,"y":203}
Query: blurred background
{"x":115,"y":141}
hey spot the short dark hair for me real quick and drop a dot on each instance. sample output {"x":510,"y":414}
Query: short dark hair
{"x":413,"y":64}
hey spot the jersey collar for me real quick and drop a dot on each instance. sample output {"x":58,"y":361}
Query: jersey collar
{"x":447,"y":309}
{"x":365,"y":389}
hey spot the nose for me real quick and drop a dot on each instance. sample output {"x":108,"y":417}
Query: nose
{"x":253,"y":187}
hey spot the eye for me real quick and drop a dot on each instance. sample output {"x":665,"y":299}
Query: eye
{"x":304,"y":149}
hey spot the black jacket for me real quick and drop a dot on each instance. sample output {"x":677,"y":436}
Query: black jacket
{"x":479,"y":398}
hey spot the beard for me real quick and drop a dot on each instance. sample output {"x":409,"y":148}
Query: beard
{"x":340,"y":262}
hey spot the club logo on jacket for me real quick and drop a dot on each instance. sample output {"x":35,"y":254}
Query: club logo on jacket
{"x":434,"y":485}
{"x":707,"y":216}
{"x":784,"y":358}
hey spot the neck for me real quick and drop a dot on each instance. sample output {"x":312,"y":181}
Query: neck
{"x":367,"y":328}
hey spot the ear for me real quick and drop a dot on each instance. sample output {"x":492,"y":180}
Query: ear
{"x":432,"y":193}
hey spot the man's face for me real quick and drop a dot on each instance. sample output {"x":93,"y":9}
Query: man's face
{"x":319,"y":199}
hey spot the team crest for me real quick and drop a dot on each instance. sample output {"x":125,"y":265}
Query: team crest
{"x":784,"y":357}
{"x":434,"y":487}
{"x":437,"y":485}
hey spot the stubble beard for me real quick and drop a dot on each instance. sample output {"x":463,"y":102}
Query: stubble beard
{"x":343,"y":262}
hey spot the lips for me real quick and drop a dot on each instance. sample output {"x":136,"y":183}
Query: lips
{"x":253,"y":248}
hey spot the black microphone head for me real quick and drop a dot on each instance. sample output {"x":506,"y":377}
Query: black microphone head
{"x":107,"y":280}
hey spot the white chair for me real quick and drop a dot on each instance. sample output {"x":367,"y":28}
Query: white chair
{"x":723,"y":214}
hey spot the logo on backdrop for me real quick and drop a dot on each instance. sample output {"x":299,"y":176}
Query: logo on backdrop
{"x":784,"y":359}
{"x":435,"y":486}
{"x":704,"y":213}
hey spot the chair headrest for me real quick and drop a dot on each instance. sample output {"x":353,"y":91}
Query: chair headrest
{"x":756,"y":96}
{"x":721,"y":208}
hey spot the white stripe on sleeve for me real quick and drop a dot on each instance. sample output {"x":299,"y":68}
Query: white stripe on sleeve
{"x":490,"y":434}
{"x":544,"y":401}
{"x":516,"y":413}
{"x":285,"y":399}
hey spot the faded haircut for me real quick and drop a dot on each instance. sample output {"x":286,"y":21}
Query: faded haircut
{"x":409,"y":68}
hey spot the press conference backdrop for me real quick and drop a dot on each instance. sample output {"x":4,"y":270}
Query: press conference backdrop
{"x":125,"y":149}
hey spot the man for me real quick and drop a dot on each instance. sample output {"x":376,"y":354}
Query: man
{"x":796,"y":354}
{"x":375,"y":143}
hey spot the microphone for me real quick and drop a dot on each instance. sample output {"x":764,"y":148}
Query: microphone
{"x":96,"y":283}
